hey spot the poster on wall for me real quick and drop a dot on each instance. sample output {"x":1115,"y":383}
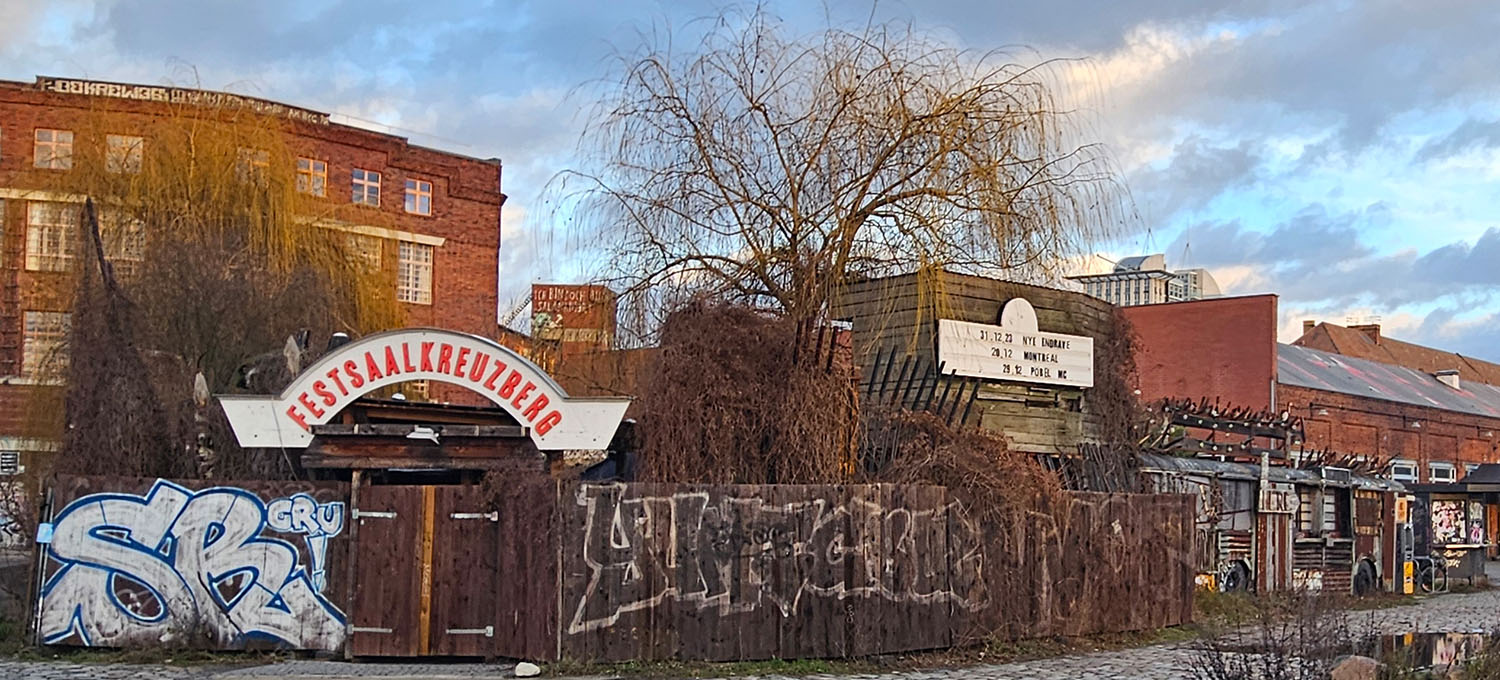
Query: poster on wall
{"x":1015,"y":350}
{"x":1449,"y":522}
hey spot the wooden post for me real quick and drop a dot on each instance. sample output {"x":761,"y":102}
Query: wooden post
{"x":351,"y":555}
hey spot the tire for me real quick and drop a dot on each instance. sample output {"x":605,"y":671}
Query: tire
{"x":1365,"y":579}
{"x":1236,"y":579}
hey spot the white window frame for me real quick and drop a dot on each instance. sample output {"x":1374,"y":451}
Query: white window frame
{"x":124,"y":154}
{"x":42,"y":337}
{"x":124,"y":241}
{"x":252,"y":164}
{"x":1433,"y":468}
{"x":55,"y":152}
{"x":1411,"y":465}
{"x":364,"y":250}
{"x":414,"y":265}
{"x":312,"y":176}
{"x":365,"y":187}
{"x":49,"y":237}
{"x":418,"y":197}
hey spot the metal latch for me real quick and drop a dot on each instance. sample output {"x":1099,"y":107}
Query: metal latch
{"x":374,"y":514}
{"x":487,"y":631}
{"x":491,"y":516}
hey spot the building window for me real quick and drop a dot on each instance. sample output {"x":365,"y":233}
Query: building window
{"x":366,"y":187}
{"x":418,"y":197}
{"x":10,"y":463}
{"x":1404,"y":471}
{"x":312,"y":176}
{"x":252,"y":165}
{"x":414,"y":273}
{"x":1440,"y":472}
{"x":124,"y":242}
{"x":42,"y":343}
{"x":123,"y":154}
{"x":49,"y":236}
{"x":54,"y":149}
{"x":364,"y":251}
{"x":414,"y":390}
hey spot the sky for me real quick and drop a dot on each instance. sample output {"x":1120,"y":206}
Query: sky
{"x":1343,"y":154}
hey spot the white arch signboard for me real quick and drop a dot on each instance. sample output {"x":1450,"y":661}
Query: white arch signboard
{"x":555,"y":420}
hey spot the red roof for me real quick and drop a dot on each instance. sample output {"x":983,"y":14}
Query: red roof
{"x":1366,"y":342}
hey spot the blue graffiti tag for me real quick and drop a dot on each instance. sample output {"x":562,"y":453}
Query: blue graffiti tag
{"x":301,"y":514}
{"x":176,"y":563}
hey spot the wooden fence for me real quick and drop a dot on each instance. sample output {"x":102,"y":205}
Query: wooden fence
{"x":599,"y":572}
{"x":218,"y":565}
{"x":749,"y":572}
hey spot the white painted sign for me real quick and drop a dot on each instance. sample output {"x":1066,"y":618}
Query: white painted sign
{"x":1015,"y":350}
{"x":555,"y":420}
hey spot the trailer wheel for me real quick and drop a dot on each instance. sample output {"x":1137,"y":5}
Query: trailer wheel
{"x":1236,"y":579}
{"x":1365,"y":580}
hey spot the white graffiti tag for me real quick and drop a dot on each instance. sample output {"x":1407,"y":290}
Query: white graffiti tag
{"x":739,"y":554}
{"x":301,"y":514}
{"x":180,"y":566}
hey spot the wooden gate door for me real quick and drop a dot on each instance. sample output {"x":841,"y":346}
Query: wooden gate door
{"x":463,"y":563}
{"x":424,"y":572}
{"x":383,"y":617}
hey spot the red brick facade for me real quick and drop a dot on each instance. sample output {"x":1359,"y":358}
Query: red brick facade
{"x":465,"y":213}
{"x":1389,"y":430}
{"x":1226,"y":349}
{"x":1221,"y":348}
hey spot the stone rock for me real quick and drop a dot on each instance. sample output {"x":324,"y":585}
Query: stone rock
{"x":526,"y":669}
{"x":1355,"y":668}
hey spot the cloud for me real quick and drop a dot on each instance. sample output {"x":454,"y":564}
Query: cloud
{"x":1196,"y":173}
{"x":1471,"y":134}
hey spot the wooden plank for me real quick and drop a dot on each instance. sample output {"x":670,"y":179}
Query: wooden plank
{"x":387,"y":583}
{"x":464,"y":570}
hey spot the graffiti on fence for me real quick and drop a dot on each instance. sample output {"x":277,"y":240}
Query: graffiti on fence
{"x":301,"y":514}
{"x":739,"y":554}
{"x":175,"y":565}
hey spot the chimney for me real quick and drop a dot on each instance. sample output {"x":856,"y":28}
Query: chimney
{"x":1449,"y":377}
{"x":1307,"y":326}
{"x":1371,"y":331}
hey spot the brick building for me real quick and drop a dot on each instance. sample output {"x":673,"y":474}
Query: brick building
{"x":430,"y":218}
{"x":1433,"y":414}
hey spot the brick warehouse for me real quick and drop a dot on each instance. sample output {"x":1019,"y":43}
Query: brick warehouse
{"x":1435,"y":414}
{"x":430,"y":217}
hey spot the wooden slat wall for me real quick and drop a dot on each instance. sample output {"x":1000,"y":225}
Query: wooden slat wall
{"x":199,"y":629}
{"x":655,"y":571}
{"x":526,"y":571}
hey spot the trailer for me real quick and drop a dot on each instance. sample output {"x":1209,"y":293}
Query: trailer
{"x":1275,"y":527}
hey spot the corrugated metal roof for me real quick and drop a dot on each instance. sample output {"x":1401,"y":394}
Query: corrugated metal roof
{"x":1318,"y":370}
{"x":1155,"y":462}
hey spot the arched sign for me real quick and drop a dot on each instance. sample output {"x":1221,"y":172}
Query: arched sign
{"x":555,"y":420}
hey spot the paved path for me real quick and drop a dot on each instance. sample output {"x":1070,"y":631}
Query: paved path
{"x":1449,"y":613}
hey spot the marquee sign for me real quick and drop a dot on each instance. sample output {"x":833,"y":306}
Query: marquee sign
{"x":1015,"y":350}
{"x":555,"y":420}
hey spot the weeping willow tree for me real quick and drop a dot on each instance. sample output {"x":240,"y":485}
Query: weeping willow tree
{"x":772,"y":169}
{"x":202,"y":251}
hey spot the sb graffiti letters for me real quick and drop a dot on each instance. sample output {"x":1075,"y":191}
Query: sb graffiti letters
{"x":189,"y":567}
{"x":728,"y":555}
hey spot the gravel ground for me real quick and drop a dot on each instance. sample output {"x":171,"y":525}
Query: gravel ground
{"x":1479,"y":611}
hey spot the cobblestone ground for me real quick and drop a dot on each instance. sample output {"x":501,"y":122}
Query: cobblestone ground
{"x":1449,"y":613}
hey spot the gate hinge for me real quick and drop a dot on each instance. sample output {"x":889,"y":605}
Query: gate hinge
{"x":374,"y":514}
{"x":491,"y":516}
{"x":487,"y":631}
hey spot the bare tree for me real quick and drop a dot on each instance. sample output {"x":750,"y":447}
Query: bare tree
{"x":197,"y":255}
{"x":771,"y":169}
